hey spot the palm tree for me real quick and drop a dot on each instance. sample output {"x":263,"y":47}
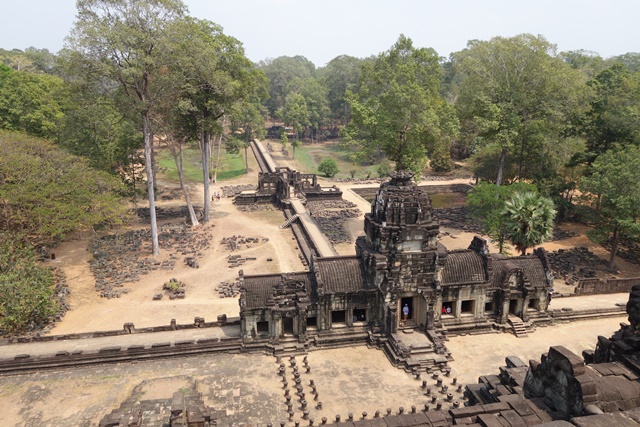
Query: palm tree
{"x":529,"y":220}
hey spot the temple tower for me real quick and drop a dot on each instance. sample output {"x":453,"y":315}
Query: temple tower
{"x":401,"y":251}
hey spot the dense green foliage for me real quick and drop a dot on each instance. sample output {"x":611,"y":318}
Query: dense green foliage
{"x":32,"y":103}
{"x":26,"y":290}
{"x":45,"y":193}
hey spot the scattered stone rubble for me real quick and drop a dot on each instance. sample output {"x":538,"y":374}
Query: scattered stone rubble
{"x":576,"y":263}
{"x":163,"y":213}
{"x":235,"y":243}
{"x":238,"y":260}
{"x":228,"y":289}
{"x":457,"y":218}
{"x":185,"y":408}
{"x":255,"y":207}
{"x":628,"y":250}
{"x":331,"y":216}
{"x":360,"y":180}
{"x":234,"y":190}
{"x":119,"y":259}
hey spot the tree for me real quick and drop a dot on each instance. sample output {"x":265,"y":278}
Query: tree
{"x":246,"y":120}
{"x":294,"y":144}
{"x":166,"y":120}
{"x":518,"y":94}
{"x":295,"y":113}
{"x":529,"y":220}
{"x":329,"y":167}
{"x":613,"y":190}
{"x":45,"y":193}
{"x":486,"y":203}
{"x":123,"y":41}
{"x":215,"y":75}
{"x":397,"y":108}
{"x":284,"y":140}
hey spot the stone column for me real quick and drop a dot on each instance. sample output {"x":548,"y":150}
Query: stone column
{"x":430,"y":318}
{"x":525,"y":306}
{"x":276,"y":325}
{"x":458,"y":308}
{"x":349,"y":316}
{"x":393,"y":319}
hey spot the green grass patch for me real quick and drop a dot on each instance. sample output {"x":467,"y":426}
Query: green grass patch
{"x":192,"y":165}
{"x":309,"y":156}
{"x":231,"y":165}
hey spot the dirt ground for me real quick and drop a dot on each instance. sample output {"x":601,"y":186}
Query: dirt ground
{"x":89,"y":312}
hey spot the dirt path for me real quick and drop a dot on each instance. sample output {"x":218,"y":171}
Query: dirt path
{"x":89,"y":312}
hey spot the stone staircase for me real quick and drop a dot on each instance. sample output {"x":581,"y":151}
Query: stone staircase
{"x":289,"y":221}
{"x":288,"y":346}
{"x":519,"y":328}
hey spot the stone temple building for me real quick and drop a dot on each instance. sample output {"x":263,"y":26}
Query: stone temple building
{"x":398,"y":263}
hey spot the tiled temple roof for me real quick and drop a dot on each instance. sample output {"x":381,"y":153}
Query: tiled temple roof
{"x":258,"y":289}
{"x":464,"y":267}
{"x":531,"y":266}
{"x":340,"y":274}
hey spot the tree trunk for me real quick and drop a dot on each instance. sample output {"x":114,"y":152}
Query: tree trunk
{"x":521,"y":160}
{"x":246,"y":157}
{"x":178,"y":157}
{"x":614,"y":246}
{"x":133,"y":179}
{"x":154,"y":166}
{"x":205,"y":143}
{"x":503,"y":156}
{"x":146,"y":130}
{"x":217,"y":163}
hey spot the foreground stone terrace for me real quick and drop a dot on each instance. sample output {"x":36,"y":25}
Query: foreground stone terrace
{"x":353,"y":379}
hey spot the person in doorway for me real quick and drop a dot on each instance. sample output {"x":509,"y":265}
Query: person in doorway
{"x":448,"y":310}
{"x":405,"y":313}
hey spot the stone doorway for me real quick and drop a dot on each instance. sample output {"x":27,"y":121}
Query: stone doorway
{"x":287,"y":326}
{"x":513,"y":306}
{"x":409,"y":302}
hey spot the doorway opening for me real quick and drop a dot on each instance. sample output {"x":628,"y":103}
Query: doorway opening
{"x":287,"y":325}
{"x":262,"y":328}
{"x":513,"y":306}
{"x":338,"y":317}
{"x":359,"y":315}
{"x":447,"y":308}
{"x":408,"y":301}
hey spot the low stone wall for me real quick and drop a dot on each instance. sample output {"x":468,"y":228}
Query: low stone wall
{"x":113,"y":354}
{"x":607,"y":286}
{"x":128,"y":329}
{"x":369,"y":193}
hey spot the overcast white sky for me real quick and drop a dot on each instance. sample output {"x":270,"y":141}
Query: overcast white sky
{"x":323,"y":29}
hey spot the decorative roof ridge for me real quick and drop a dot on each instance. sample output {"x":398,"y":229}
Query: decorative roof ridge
{"x":252,"y":276}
